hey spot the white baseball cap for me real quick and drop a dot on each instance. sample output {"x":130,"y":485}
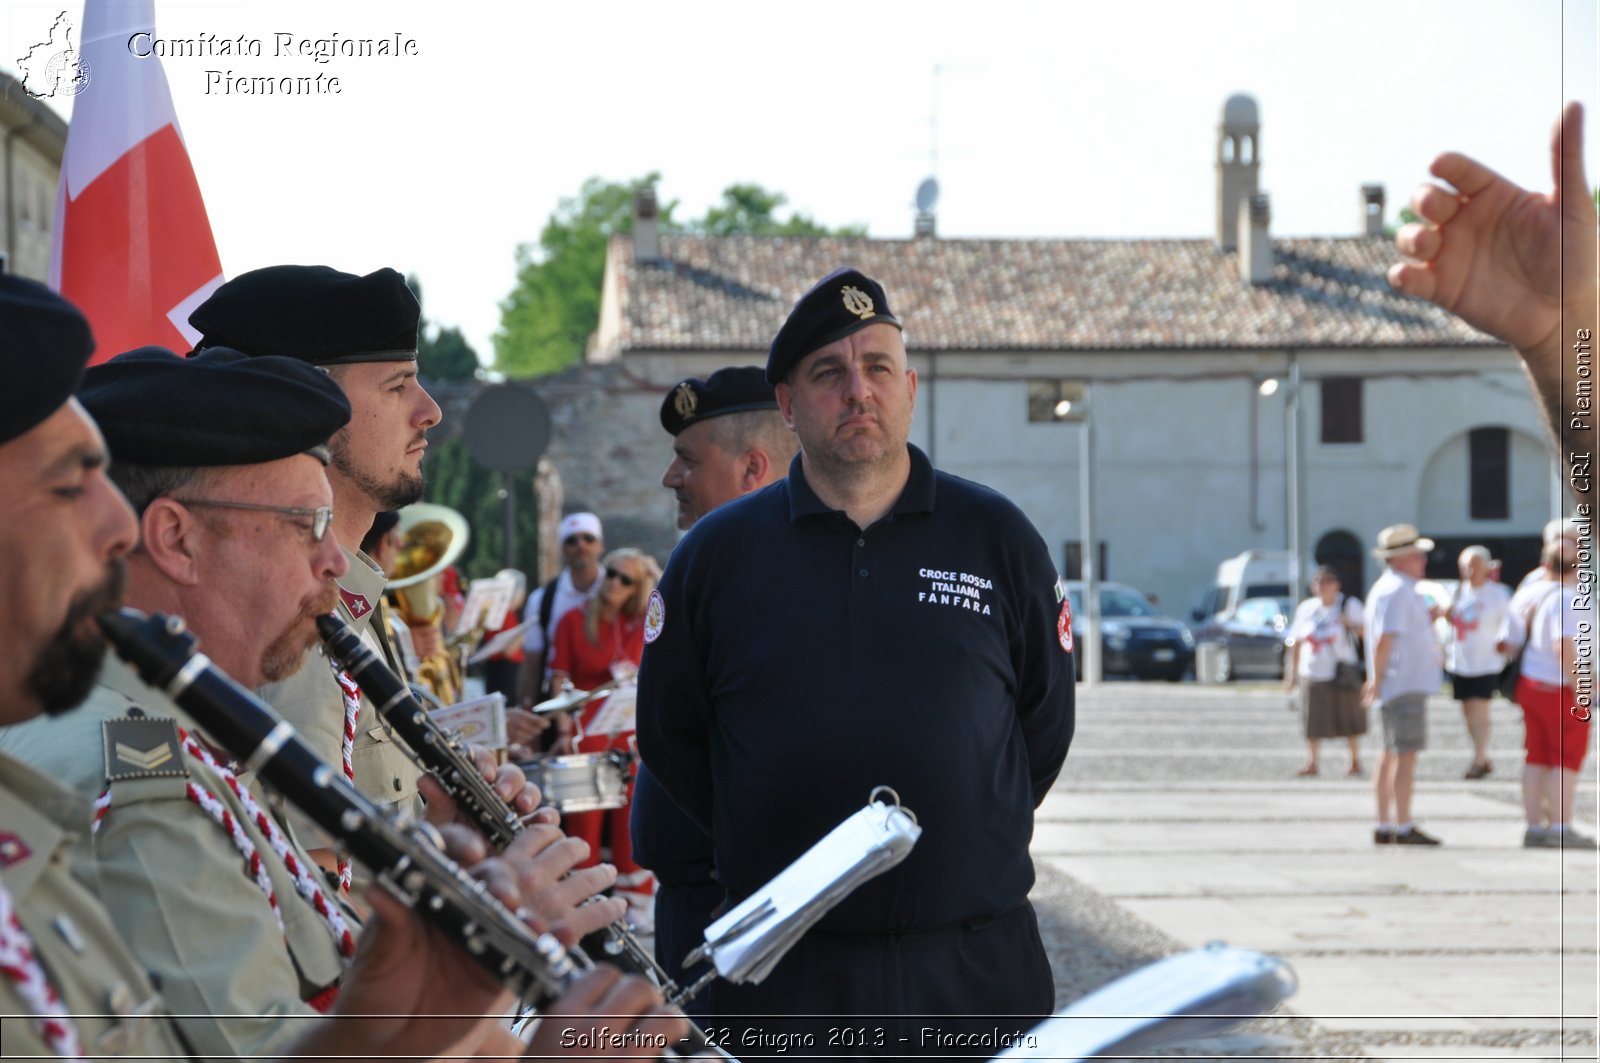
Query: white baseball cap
{"x":579,"y":523}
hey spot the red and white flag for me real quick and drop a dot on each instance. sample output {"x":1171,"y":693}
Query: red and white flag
{"x":133,"y":246}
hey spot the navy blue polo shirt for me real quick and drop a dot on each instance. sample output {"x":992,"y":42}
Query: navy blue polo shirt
{"x":794,"y":662}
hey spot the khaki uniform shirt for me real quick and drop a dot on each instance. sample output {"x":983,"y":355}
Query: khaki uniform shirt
{"x":115,"y":1010}
{"x":174,"y":885}
{"x":311,"y":701}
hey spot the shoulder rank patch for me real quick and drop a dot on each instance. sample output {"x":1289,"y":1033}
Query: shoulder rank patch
{"x":142,"y":748}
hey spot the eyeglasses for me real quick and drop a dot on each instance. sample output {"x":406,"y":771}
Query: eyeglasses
{"x":581,"y":537}
{"x":621,"y":577}
{"x":320,"y":517}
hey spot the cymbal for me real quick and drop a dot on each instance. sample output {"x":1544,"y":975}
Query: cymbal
{"x":571,"y":699}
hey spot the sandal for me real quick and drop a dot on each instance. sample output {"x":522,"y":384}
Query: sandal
{"x":1308,"y":769}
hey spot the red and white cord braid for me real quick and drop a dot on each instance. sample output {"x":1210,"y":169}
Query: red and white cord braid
{"x":351,"y":693}
{"x":20,"y":967}
{"x":241,"y":841}
{"x":305,"y":881}
{"x":225,"y":819}
{"x":102,"y":805}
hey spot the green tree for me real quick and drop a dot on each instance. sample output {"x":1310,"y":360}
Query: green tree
{"x":546,"y":320}
{"x":752,"y":209}
{"x":455,"y":480}
{"x":446,"y":355}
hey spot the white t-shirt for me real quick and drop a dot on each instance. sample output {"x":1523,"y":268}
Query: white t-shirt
{"x":568,"y":598}
{"x":1322,"y":639}
{"x":1395,"y":608}
{"x":1514,"y":627}
{"x":1556,"y":617}
{"x":1475,"y":624}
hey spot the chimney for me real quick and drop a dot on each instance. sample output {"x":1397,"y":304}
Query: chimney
{"x":646,"y":226}
{"x":1238,"y":164}
{"x":1255,"y":243}
{"x":1372,"y":210}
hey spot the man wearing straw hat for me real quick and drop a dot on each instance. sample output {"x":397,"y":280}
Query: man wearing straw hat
{"x":1403,"y":668}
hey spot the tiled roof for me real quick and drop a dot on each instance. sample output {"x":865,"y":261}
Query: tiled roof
{"x":732,"y":293}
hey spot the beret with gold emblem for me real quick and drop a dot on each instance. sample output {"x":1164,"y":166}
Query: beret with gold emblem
{"x":732,"y":390}
{"x":44,"y":345}
{"x":843,"y":302}
{"x":314,"y":313}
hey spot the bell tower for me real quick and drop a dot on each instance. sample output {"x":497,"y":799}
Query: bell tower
{"x":1238,"y":165}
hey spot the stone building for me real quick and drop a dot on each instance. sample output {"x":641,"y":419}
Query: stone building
{"x":1402,"y":412}
{"x":32,"y":141}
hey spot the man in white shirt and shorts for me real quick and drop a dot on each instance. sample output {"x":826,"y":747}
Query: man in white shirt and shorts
{"x":1403,"y":668}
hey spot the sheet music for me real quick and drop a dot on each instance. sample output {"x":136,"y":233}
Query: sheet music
{"x":616,"y":716}
{"x":481,"y":721}
{"x":747,"y":942}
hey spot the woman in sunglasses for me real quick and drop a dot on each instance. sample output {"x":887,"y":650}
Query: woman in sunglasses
{"x":598,"y":644}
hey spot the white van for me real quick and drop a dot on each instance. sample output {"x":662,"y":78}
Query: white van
{"x":1253,"y":574}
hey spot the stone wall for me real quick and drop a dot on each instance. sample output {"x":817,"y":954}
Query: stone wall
{"x":607,"y":453}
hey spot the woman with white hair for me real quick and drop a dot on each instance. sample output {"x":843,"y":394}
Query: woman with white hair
{"x":1473,"y":659}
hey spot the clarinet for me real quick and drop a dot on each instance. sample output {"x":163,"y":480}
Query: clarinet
{"x":443,"y":755}
{"x":395,"y":850}
{"x":536,"y":967}
{"x":438,"y":751}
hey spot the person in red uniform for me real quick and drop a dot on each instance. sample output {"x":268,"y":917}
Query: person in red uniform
{"x":597,"y":644}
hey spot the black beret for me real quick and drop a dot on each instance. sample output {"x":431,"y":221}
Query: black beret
{"x":314,"y":313}
{"x":731,"y":390}
{"x":217,"y":407}
{"x":843,"y":302}
{"x":44,"y":345}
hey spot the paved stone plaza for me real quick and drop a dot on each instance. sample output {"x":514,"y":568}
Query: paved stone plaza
{"x":1179,"y":820}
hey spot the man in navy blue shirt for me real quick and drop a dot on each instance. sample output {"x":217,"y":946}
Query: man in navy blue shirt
{"x":867,"y":621}
{"x":727,"y":441}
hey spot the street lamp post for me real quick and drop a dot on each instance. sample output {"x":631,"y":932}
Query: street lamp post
{"x":1291,"y":490}
{"x":1293,"y":545}
{"x":1091,"y":575}
{"x":1080,"y":410}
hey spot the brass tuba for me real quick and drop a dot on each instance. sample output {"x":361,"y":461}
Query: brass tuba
{"x":432,"y":538}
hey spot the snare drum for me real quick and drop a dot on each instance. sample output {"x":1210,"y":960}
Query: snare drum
{"x":582,"y":782}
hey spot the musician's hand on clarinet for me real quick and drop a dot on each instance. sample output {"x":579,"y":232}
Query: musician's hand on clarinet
{"x":411,"y":992}
{"x":606,"y":1008}
{"x":552,"y":886}
{"x":508,"y":781}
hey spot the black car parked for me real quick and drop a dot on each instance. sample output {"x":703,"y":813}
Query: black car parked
{"x":1135,"y":639}
{"x":1250,"y":639}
